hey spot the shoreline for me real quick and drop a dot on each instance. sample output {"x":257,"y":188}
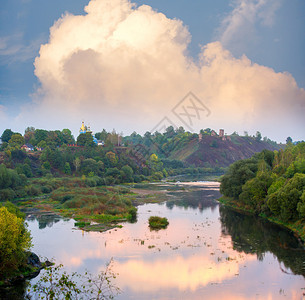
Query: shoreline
{"x":229,"y":202}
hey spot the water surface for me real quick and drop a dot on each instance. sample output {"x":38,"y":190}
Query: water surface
{"x":207,"y":252}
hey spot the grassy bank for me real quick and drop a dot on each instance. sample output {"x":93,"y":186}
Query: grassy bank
{"x":94,"y":208}
{"x":73,"y":198}
{"x":297,"y":227}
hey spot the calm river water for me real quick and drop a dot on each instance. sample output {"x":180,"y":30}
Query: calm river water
{"x":207,"y":252}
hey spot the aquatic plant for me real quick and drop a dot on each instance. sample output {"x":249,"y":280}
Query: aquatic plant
{"x":157,"y":222}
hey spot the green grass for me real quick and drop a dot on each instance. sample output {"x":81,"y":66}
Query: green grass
{"x":84,"y":204}
{"x":81,"y":224}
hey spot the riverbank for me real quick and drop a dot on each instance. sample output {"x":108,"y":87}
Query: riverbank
{"x":95,"y":208}
{"x":298,"y":228}
{"x":30,"y":269}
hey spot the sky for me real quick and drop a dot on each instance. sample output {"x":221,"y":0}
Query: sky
{"x":144,"y":65}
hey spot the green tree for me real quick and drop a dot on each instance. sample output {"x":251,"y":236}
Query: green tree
{"x":29,"y":135}
{"x":10,"y":178}
{"x":102,"y":135}
{"x":127,"y":174}
{"x":67,"y":168}
{"x":258,"y":136}
{"x":288,"y":140}
{"x":55,"y":283}
{"x":85,"y":139}
{"x":237,"y":175}
{"x":6,"y":135}
{"x":14,"y":240}
{"x":41,"y":135}
{"x":112,"y":158}
{"x":67,"y":136}
{"x":16,"y":141}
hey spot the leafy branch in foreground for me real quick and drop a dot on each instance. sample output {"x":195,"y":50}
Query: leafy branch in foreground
{"x":55,"y":283}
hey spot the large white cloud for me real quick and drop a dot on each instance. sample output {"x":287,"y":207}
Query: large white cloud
{"x":126,"y":67}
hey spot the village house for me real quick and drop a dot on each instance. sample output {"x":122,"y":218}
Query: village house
{"x":27,"y":147}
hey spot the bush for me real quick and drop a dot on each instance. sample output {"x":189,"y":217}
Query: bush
{"x":157,"y":222}
{"x":7,"y":194}
{"x":132,"y":212}
{"x":14,"y":240}
{"x":46,"y":189}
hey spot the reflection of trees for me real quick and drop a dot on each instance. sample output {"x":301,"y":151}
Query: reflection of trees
{"x":198,"y":199}
{"x":16,"y":292}
{"x":45,"y":220}
{"x":251,"y":234}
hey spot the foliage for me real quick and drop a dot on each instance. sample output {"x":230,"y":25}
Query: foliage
{"x":56,"y":283}
{"x":10,"y":182}
{"x":6,"y":135}
{"x":270,"y":183}
{"x":85,"y":139}
{"x":14,"y":240}
{"x":238,"y":174}
{"x":156,"y":222}
{"x":16,"y":141}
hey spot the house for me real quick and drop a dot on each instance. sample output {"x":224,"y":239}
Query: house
{"x":221,"y":133}
{"x":213,"y":133}
{"x":27,"y":147}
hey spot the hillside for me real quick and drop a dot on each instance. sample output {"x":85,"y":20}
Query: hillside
{"x":213,"y":151}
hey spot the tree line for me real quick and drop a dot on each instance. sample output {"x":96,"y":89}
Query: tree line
{"x":270,"y":183}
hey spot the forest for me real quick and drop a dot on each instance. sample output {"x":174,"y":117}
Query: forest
{"x":271,"y":184}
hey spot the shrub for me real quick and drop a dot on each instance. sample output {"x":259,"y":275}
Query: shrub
{"x":7,"y":194}
{"x":14,"y":240}
{"x":157,"y":222}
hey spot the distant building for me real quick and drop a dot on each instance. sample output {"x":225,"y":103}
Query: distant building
{"x":199,"y":137}
{"x":27,"y":147}
{"x":213,"y":133}
{"x":221,"y":133}
{"x":85,"y":129}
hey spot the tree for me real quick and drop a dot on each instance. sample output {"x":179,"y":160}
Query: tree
{"x":6,"y":135}
{"x":29,"y":135}
{"x":127,"y":174}
{"x":289,"y":140}
{"x":10,"y":178}
{"x":258,"y":136}
{"x":67,"y":136}
{"x":55,"y":283}
{"x":29,"y":129}
{"x":16,"y":141}
{"x":237,"y":175}
{"x":67,"y":168}
{"x":170,"y":132}
{"x":112,"y":158}
{"x":102,"y":135}
{"x":14,"y":240}
{"x":85,"y":139}
{"x":41,"y":135}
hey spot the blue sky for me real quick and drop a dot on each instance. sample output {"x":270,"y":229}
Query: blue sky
{"x":269,"y":33}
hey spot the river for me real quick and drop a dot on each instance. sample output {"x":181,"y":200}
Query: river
{"x":207,"y":252}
